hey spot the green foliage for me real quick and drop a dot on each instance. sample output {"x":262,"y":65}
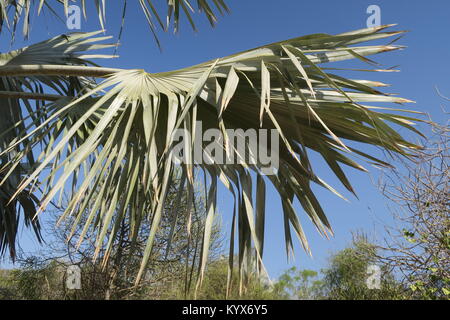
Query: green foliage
{"x":33,"y":281}
{"x":346,"y":276}
{"x":36,"y":280}
{"x":214,"y":286}
{"x":7,"y":290}
{"x":299,"y":284}
{"x":344,"y":279}
{"x":432,"y":287}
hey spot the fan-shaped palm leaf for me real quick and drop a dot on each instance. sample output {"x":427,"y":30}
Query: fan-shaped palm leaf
{"x":113,"y":142}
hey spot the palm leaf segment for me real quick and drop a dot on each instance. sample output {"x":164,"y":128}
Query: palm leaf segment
{"x":111,"y":145}
{"x":57,"y":51}
{"x":14,"y":12}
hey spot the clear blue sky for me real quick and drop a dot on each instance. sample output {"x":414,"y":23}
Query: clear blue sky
{"x":423,"y":64}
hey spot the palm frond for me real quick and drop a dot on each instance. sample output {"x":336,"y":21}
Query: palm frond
{"x":113,"y":144}
{"x":62,"y":50}
{"x":12,"y":12}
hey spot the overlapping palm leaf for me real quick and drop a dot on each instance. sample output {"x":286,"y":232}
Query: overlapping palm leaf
{"x":16,"y":117}
{"x":111,"y":145}
{"x":14,"y":12}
